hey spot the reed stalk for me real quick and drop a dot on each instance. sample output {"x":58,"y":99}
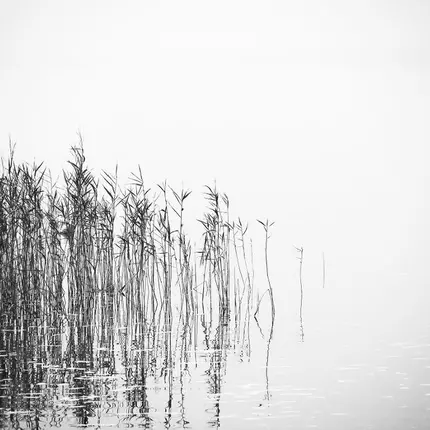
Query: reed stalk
{"x":85,"y":255}
{"x":266,"y":225}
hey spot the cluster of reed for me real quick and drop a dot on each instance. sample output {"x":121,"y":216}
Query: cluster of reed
{"x":86,"y":263}
{"x":91,"y":252}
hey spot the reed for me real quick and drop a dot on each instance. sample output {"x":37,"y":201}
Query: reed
{"x":266,"y":225}
{"x":95,"y":275}
{"x":300,"y":258}
{"x":89,"y":253}
{"x":215,"y":254}
{"x":21,"y":243}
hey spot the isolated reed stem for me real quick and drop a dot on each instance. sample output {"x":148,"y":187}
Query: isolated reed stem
{"x":266,"y":227}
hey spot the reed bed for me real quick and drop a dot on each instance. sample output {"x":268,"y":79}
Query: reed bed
{"x":90,"y":252}
{"x":92,"y":271}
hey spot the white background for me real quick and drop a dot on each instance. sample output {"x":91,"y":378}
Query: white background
{"x":314,"y":114}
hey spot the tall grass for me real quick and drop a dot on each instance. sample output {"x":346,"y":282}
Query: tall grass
{"x":89,"y":252}
{"x":91,"y":271}
{"x":300,"y":258}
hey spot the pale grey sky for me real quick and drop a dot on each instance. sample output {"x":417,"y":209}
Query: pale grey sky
{"x":313,"y":113}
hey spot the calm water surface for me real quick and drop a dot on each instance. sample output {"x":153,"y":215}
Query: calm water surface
{"x":357,"y":359}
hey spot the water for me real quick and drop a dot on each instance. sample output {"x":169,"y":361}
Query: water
{"x":358,"y":359}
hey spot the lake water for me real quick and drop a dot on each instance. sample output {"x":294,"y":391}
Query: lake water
{"x":357,"y":359}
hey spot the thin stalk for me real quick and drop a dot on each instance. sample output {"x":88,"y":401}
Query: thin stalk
{"x":266,"y":227}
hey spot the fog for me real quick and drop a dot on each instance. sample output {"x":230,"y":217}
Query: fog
{"x":314,"y":115}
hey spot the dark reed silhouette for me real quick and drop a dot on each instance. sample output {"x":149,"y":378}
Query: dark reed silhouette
{"x":98,"y":279}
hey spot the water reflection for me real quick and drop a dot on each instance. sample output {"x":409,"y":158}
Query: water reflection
{"x":177,"y":373}
{"x":86,"y":374}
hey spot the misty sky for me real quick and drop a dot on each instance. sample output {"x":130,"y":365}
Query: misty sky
{"x":314,"y":114}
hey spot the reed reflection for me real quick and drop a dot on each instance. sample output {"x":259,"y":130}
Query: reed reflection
{"x":88,"y":373}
